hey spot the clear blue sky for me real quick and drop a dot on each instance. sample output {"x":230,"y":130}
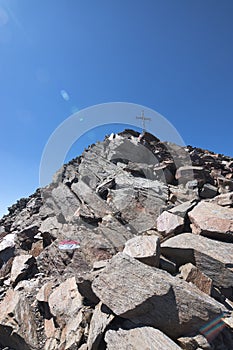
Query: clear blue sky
{"x":174,"y":56}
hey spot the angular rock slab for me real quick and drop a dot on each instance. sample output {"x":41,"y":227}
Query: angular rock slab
{"x":212,"y":220}
{"x":213,"y":258}
{"x":22,"y":266}
{"x":138,"y":339}
{"x":144,"y":248}
{"x":168,"y":223}
{"x":99,"y":321}
{"x":17,"y":324}
{"x":191,"y":273}
{"x":152,"y":297}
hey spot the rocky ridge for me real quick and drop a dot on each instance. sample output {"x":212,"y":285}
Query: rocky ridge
{"x":129,"y":247}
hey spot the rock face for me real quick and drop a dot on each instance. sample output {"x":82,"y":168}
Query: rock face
{"x":139,"y":338}
{"x":65,"y":283}
{"x":153,"y":297}
{"x":213,"y":258}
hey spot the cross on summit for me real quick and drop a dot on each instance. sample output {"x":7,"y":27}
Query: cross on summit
{"x":143,"y":118}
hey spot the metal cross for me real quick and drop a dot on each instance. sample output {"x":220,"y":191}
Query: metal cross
{"x":143,"y":118}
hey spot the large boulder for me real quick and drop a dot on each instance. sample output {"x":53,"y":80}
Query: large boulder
{"x":18,"y":329}
{"x":213,"y":258}
{"x":138,"y":339}
{"x":212,"y":220}
{"x":152,"y":297}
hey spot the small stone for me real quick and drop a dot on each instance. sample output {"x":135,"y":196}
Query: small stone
{"x":191,"y":273}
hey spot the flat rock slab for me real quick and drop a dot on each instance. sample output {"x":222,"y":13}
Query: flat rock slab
{"x":152,"y":297}
{"x":138,"y":339}
{"x":212,"y":220}
{"x":144,"y":248}
{"x":213,"y":258}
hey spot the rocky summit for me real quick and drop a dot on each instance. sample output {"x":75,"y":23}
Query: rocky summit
{"x":129,"y":247}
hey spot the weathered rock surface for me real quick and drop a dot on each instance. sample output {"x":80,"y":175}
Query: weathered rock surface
{"x":101,"y":318}
{"x":23,"y":266}
{"x":115,"y":191}
{"x":152,"y":297}
{"x":190,"y":273}
{"x":168,"y":223}
{"x":139,"y":338}
{"x":145,"y":249}
{"x":17,"y":324}
{"x":213,"y":258}
{"x":212,"y":220}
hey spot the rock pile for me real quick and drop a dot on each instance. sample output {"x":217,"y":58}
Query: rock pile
{"x":129,"y":247}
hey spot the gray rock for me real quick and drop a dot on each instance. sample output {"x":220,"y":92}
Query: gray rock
{"x":138,"y":339}
{"x":138,"y":200}
{"x":65,"y":201}
{"x":145,"y":249}
{"x":212,"y":220}
{"x":152,"y":297}
{"x":23,"y":266}
{"x":101,"y":318}
{"x":208,"y":191}
{"x":188,"y":173}
{"x":183,"y":209}
{"x":167,"y":265}
{"x":168,"y":223}
{"x":213,"y":258}
{"x":224,"y":200}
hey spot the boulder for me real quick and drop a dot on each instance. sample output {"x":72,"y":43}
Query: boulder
{"x":144,"y":248}
{"x":65,"y":300}
{"x":17,"y":323}
{"x":65,"y":304}
{"x":101,"y":318}
{"x":213,"y":258}
{"x":168,"y":223}
{"x":187,"y":173}
{"x":149,"y":296}
{"x":191,"y":273}
{"x":212,"y":220}
{"x":23,"y":266}
{"x":138,"y":339}
{"x":208,"y":191}
{"x":224,"y":200}
{"x":7,"y":247}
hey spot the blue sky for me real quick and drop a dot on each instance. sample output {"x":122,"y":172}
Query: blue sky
{"x":173,"y":56}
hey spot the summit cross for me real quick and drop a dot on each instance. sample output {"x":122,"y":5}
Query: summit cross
{"x":143,"y":118}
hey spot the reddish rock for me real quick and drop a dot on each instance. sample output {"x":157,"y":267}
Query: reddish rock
{"x":212,"y":220}
{"x":191,"y":273}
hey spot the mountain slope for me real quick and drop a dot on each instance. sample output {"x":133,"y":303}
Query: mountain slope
{"x":133,"y":189}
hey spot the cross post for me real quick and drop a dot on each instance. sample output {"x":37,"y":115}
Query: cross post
{"x":143,"y":118}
